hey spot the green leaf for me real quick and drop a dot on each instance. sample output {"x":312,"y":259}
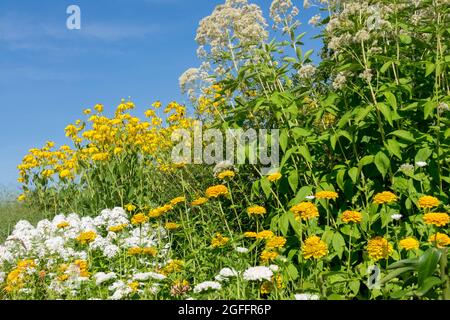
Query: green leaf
{"x":386,"y":111}
{"x":354,"y":286}
{"x":394,"y":274}
{"x":340,"y":179}
{"x":353,"y":174}
{"x":303,"y":150}
{"x":429,"y":68}
{"x":391,"y":99}
{"x":293,"y":180}
{"x":292,"y":272}
{"x":427,"y":264}
{"x":428,"y":109}
{"x":283,"y":140}
{"x":428,"y":283}
{"x":423,"y":154}
{"x":394,"y":148}
{"x":382,"y":162}
{"x":338,"y":244}
{"x":404,"y":135}
{"x":266,"y":186}
{"x":385,"y":66}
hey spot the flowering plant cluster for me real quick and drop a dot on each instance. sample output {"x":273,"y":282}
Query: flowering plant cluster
{"x":363,"y":179}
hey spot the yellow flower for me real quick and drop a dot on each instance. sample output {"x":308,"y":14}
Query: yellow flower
{"x":139,"y":218}
{"x":82,"y":268}
{"x":439,"y":219}
{"x":118,"y":228}
{"x":118,"y":150}
{"x":62,"y":225}
{"x":226,"y":174}
{"x":265,"y":234}
{"x":172,"y":266}
{"x":276,"y":242}
{"x":219,"y":241}
{"x":150,"y":251}
{"x":314,"y":247}
{"x":21,"y":198}
{"x":250,"y":234}
{"x":384,"y":197}
{"x":256,"y":211}
{"x":305,"y":210}
{"x":157,"y":104}
{"x":199,"y":202}
{"x":98,"y":108}
{"x":158,"y":212}
{"x":86,"y":237}
{"x":351,"y":216}
{"x":330,"y":195}
{"x":134,"y":251}
{"x":217,"y":191}
{"x":268,"y":255}
{"x":134,"y":286}
{"x":428,"y":202}
{"x":177,"y":200}
{"x":130,"y":207}
{"x":65,"y":173}
{"x":274,"y":177}
{"x":87,"y":111}
{"x":440,"y":240}
{"x":379,"y":248}
{"x":171,"y":226}
{"x":409,"y":244}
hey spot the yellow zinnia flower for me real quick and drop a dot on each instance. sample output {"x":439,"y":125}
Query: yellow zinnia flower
{"x":265,"y":234}
{"x":352,"y":216}
{"x":177,"y":200}
{"x":409,"y":244}
{"x":305,"y":210}
{"x":256,"y":211}
{"x":440,"y":240}
{"x":86,"y":237}
{"x":428,"y":202}
{"x":219,"y":241}
{"x":314,"y":247}
{"x":330,"y":195}
{"x":226,"y":174}
{"x":217,"y":191}
{"x":439,"y":219}
{"x":268,"y":255}
{"x":385,"y":197}
{"x":274,"y":177}
{"x":199,"y":202}
{"x":275,"y":242}
{"x":379,"y":248}
{"x":139,"y":218}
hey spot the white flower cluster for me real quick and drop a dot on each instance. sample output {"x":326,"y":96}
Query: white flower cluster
{"x":283,"y":12}
{"x":258,"y":273}
{"x":55,"y":246}
{"x":206,"y":286}
{"x":235,"y":23}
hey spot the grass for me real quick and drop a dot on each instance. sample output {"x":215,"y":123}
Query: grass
{"x":12,"y":212}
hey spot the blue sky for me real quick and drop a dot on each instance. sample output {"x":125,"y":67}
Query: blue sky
{"x":125,"y":48}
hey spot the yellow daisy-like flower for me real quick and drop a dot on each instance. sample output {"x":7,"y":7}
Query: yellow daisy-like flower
{"x":250,"y":234}
{"x":314,"y":247}
{"x":62,"y":225}
{"x":130,"y":207}
{"x":385,"y":197}
{"x":379,"y":248}
{"x":265,"y":234}
{"x":409,"y":244}
{"x":439,"y":219}
{"x":274,"y":176}
{"x":158,"y":212}
{"x":275,"y":242}
{"x":256,"y":211}
{"x":177,"y":200}
{"x":268,"y":255}
{"x":171,"y":226}
{"x":21,"y":198}
{"x":134,"y":286}
{"x":149,"y":251}
{"x":134,"y":251}
{"x":305,"y":211}
{"x":351,"y":216}
{"x":219,"y":241}
{"x":217,"y":191}
{"x":330,"y":195}
{"x":226,"y":174}
{"x":117,"y":228}
{"x":428,"y":202}
{"x":139,"y":218}
{"x":86,"y":237}
{"x":441,"y":240}
{"x":199,"y":202}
